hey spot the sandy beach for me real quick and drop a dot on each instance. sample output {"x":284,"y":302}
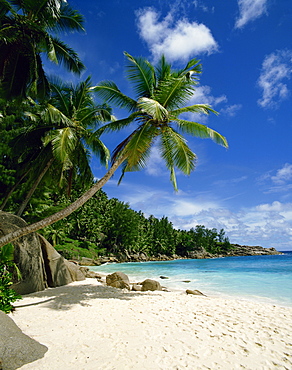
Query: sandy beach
{"x":86,"y":325}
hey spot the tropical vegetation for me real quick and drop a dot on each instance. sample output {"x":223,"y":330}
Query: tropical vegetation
{"x":7,"y":268}
{"x":50,"y":129}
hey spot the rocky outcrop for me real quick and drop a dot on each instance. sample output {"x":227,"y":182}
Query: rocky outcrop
{"x":247,"y":250}
{"x":118,"y":280}
{"x":41,"y":266}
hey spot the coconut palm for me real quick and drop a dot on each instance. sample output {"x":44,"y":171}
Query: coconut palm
{"x":26,"y":28}
{"x":159,"y":106}
{"x":64,"y":134}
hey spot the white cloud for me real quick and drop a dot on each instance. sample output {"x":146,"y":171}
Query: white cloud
{"x":179,"y":40}
{"x":155,"y":163}
{"x":231,"y":110}
{"x":265,"y":224}
{"x":279,"y":181}
{"x":276,"y":68}
{"x":202,"y":95}
{"x":249,"y":10}
{"x":283,"y":175}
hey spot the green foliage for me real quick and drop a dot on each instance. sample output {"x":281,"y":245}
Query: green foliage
{"x":108,"y":226}
{"x":7,"y":295}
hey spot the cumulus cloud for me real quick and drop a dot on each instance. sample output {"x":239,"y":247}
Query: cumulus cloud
{"x":179,"y":40}
{"x":249,"y":10}
{"x":276,"y":69}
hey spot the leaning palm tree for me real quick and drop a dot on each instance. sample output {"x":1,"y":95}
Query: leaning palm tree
{"x":26,"y":28}
{"x":159,"y":107}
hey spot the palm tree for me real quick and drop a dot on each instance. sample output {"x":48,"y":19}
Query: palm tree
{"x":25,"y":33}
{"x":161,"y":95}
{"x":65,"y":134}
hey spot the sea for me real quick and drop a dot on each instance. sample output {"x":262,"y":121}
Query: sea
{"x":258,"y":278}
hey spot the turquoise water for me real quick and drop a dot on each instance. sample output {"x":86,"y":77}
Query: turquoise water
{"x":261,"y":278}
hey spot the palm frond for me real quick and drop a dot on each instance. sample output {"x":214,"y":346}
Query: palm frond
{"x":174,"y":92}
{"x":118,"y":124}
{"x":201,"y":131}
{"x":54,"y":115}
{"x":142,"y":74}
{"x":153,"y":108}
{"x":69,"y":19}
{"x":136,"y":147}
{"x":197,"y":108}
{"x":176,"y":153}
{"x":162,"y":69}
{"x":191,"y":70}
{"x":109,"y":92}
{"x":67,"y":56}
{"x":63,"y":143}
{"x":98,"y":148}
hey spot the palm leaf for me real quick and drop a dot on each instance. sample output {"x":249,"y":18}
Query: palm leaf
{"x":176,"y":152}
{"x":174,"y":92}
{"x":197,"y":108}
{"x":69,"y":19}
{"x":109,"y":92}
{"x":141,"y":73}
{"x":67,"y":56}
{"x":118,"y":124}
{"x":153,"y":108}
{"x":63,"y":142}
{"x":201,"y":131}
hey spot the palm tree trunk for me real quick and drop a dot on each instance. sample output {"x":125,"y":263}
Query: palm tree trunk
{"x":64,"y":212}
{"x":12,"y":190}
{"x":33,"y":188}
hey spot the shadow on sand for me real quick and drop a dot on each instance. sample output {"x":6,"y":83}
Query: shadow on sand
{"x":64,"y":297}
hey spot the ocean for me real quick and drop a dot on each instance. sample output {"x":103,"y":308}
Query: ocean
{"x":258,"y":278}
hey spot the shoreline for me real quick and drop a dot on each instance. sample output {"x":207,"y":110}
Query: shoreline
{"x":85,"y":325}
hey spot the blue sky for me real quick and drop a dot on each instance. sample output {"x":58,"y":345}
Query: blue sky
{"x":246,"y":52}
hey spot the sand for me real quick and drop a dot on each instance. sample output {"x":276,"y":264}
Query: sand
{"x":85,"y":325}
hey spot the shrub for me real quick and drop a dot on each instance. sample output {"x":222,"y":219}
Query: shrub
{"x":7,"y":295}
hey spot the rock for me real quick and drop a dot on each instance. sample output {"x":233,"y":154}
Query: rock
{"x":41,"y":266}
{"x":90,"y":274}
{"x":27,"y":255}
{"x":89,"y":262}
{"x":16,"y":348}
{"x":186,"y":281}
{"x":149,"y":284}
{"x":194,"y":292}
{"x":136,"y":287}
{"x":118,"y":280}
{"x":56,"y":269}
{"x":75,"y":271}
{"x":164,"y":277}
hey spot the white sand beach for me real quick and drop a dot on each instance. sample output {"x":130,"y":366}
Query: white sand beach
{"x":86,"y":325}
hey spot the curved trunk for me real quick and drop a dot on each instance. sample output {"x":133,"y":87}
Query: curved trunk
{"x":64,"y":212}
{"x":33,"y":188}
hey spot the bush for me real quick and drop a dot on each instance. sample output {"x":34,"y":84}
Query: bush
{"x":7,"y":295}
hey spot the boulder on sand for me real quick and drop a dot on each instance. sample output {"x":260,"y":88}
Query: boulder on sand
{"x":118,"y":280}
{"x":194,"y":292}
{"x":150,"y":284}
{"x":16,"y":348}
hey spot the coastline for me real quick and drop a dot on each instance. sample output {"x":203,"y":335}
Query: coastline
{"x":85,"y":325}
